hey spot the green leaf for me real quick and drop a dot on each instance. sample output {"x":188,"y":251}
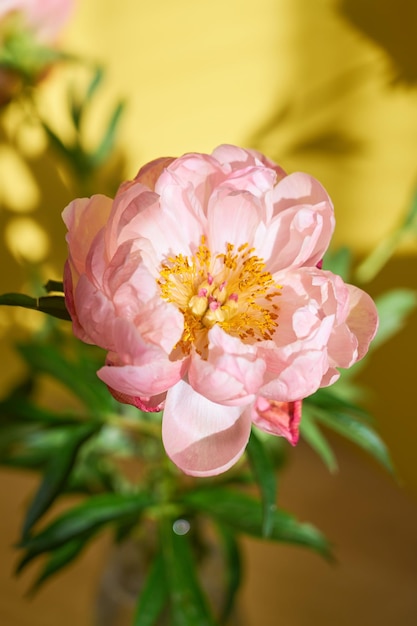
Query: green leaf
{"x":108,"y":140}
{"x":359,"y":432}
{"x":244,"y":514}
{"x":188,"y":603}
{"x":49,"y":359}
{"x":60,"y":558}
{"x":95,"y":83}
{"x":54,"y":285}
{"x":233,"y":570}
{"x":56,"y":474}
{"x":265,"y":477}
{"x":373,"y":263}
{"x":52,"y":305}
{"x":315,"y":438}
{"x":393,"y":308}
{"x":15,"y":408}
{"x":339,"y":262}
{"x":84,"y":518}
{"x":330,"y":400}
{"x":154,"y":595}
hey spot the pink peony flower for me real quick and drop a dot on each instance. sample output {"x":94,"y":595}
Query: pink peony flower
{"x":200,"y":279}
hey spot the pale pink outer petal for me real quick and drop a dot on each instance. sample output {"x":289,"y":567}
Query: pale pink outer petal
{"x":131,"y":202}
{"x":84,"y":218}
{"x":362,"y":319}
{"x":231,"y":374}
{"x":350,"y":340}
{"x":201,"y":437}
{"x":149,"y":173}
{"x":95,"y":313}
{"x":278,"y":418}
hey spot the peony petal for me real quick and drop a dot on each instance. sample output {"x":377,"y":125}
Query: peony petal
{"x":233,"y":217}
{"x":95,"y":313}
{"x":231,"y":374}
{"x":149,"y":173}
{"x":238,"y":158}
{"x":298,"y":189}
{"x":201,"y":437}
{"x":155,"y":376}
{"x":297,"y":236}
{"x":278,"y":418}
{"x":84,"y":218}
{"x":362,"y":319}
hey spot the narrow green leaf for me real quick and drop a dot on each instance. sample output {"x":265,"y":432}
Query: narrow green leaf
{"x":52,"y":305}
{"x":265,"y":477}
{"x":357,"y":431}
{"x":233,"y":570}
{"x":373,"y":263}
{"x":108,"y":140}
{"x":393,"y":308}
{"x":244,"y":514}
{"x":60,"y":558}
{"x":153,"y":596}
{"x":315,"y":438}
{"x":87,"y":516}
{"x":188,"y":603}
{"x":21,"y":408}
{"x":57,"y":144}
{"x":49,"y":359}
{"x":95,"y":83}
{"x":54,"y":285}
{"x":330,"y":399}
{"x":56,"y":474}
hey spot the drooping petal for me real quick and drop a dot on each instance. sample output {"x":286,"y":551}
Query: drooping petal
{"x":152,"y":404}
{"x":201,"y":437}
{"x":278,"y":418}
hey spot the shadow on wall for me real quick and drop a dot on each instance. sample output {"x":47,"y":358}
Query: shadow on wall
{"x":392,"y":27}
{"x":347,"y":117}
{"x":333,"y":69}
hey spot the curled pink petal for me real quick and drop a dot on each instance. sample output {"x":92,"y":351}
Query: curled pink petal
{"x":278,"y":418}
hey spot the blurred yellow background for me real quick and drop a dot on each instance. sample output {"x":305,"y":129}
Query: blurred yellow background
{"x":324,"y":86}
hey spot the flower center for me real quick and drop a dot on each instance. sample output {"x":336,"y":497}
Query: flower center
{"x":233,"y":290}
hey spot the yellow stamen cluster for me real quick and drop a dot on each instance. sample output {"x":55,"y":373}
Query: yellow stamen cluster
{"x":233,"y":290}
